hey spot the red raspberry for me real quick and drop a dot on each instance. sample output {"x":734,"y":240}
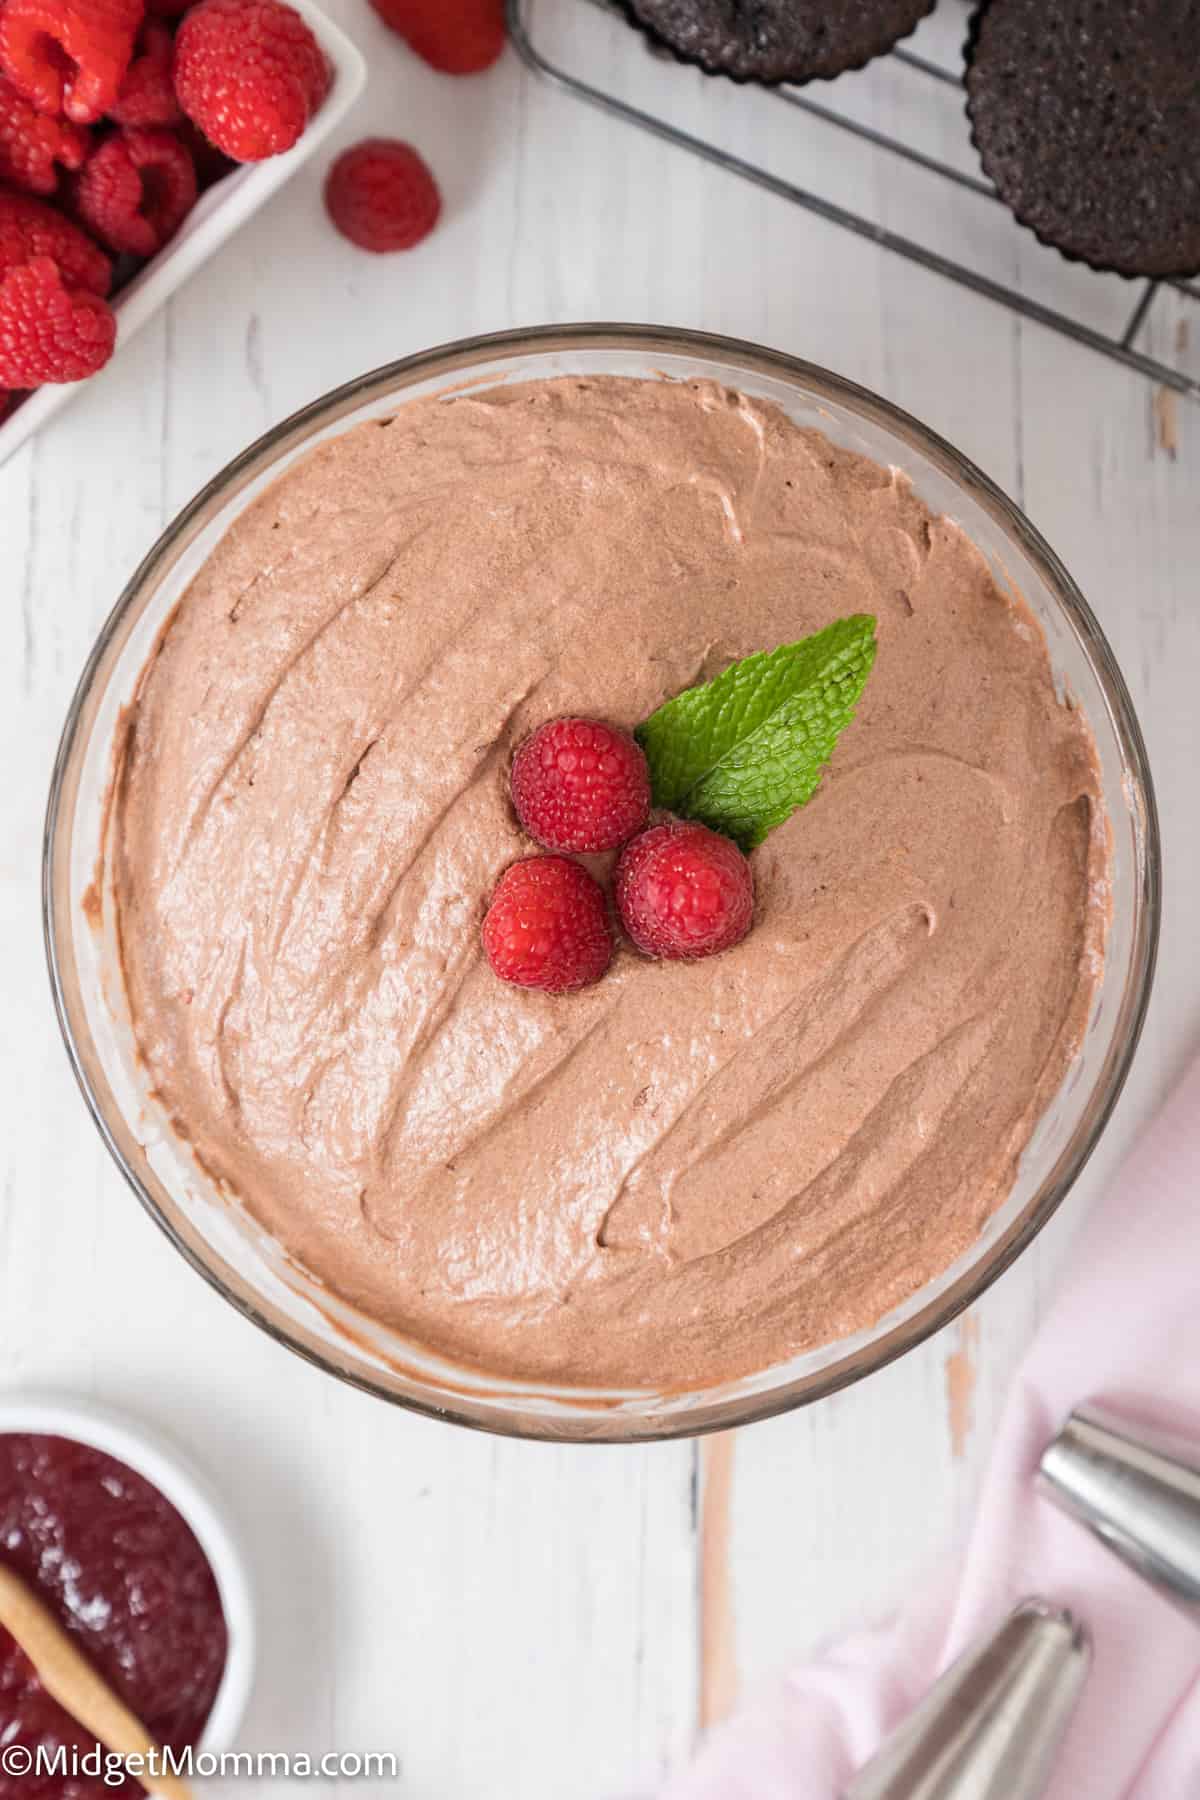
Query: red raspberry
{"x":32,"y":143}
{"x":168,"y":9}
{"x":136,"y":191}
{"x":147,"y":95}
{"x":49,"y":332}
{"x":251,"y":75}
{"x":547,"y":926}
{"x":69,"y":56}
{"x":684,"y":891}
{"x":580,"y":785}
{"x":381,"y":195}
{"x":29,"y":228}
{"x":459,"y":37}
{"x":209,"y":163}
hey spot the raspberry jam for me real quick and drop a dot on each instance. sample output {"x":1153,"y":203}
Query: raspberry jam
{"x":120,"y":1569}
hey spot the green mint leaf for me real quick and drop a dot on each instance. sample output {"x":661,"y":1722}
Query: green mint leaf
{"x":744,"y":751}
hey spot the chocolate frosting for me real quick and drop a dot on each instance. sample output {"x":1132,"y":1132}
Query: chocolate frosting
{"x":689,"y":1171}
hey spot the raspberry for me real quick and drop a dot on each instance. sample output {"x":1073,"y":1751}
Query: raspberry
{"x":69,"y":56}
{"x":32,"y":143}
{"x":136,"y":191}
{"x":250,"y":74}
{"x":147,"y":95}
{"x":168,"y":9}
{"x":50,"y":332}
{"x":580,"y":785}
{"x":547,"y":926}
{"x":29,"y":228}
{"x":684,"y":891}
{"x":381,"y":195}
{"x":459,"y":37}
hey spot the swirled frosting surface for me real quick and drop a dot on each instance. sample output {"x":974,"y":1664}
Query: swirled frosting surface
{"x":686,"y":1172}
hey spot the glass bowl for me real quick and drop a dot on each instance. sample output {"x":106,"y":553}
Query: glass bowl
{"x":221,"y":1240}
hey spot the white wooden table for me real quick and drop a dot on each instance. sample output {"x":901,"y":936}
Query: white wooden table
{"x":515,"y":1620}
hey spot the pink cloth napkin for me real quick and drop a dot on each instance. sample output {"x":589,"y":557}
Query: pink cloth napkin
{"x":1124,"y":1329}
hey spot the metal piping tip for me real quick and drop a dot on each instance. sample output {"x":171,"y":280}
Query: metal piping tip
{"x":1140,"y":1496}
{"x":991,"y":1726}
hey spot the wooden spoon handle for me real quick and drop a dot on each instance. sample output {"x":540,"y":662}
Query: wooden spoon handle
{"x":70,"y":1679}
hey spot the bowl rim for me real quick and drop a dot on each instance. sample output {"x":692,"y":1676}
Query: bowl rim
{"x":488,"y":349}
{"x":148,"y":1453}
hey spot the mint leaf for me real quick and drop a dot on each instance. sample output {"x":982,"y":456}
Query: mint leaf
{"x":744,"y":751}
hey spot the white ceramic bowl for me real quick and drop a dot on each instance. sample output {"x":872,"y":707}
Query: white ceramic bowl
{"x":60,"y":1415}
{"x":216,"y":216}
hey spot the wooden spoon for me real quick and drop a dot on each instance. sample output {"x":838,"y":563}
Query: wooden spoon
{"x":70,"y":1679}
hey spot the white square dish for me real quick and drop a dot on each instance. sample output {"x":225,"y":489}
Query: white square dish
{"x":216,"y":216}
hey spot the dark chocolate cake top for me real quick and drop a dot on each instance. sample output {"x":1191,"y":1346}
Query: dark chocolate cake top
{"x":779,"y":40}
{"x":1086,"y":114}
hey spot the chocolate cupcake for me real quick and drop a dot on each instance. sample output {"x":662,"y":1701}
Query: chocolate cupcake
{"x":1086,"y":114}
{"x":778,"y":40}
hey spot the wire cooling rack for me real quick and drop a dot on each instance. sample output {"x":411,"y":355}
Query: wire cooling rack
{"x":1120,"y":346}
